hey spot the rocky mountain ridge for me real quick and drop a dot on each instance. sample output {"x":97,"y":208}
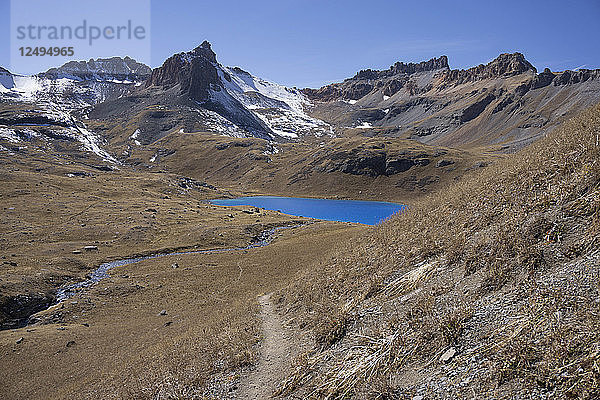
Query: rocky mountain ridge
{"x":504,"y":103}
{"x":101,"y":69}
{"x":402,"y":68}
{"x":505,"y":65}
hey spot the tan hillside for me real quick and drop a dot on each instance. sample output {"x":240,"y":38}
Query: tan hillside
{"x":487,"y":289}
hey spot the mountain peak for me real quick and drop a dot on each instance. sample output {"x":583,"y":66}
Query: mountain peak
{"x":205,"y":50}
{"x":511,"y":64}
{"x":194,"y":70}
{"x":205,"y":45}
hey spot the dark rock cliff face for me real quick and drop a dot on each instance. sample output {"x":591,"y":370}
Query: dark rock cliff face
{"x":476,"y":108}
{"x":101,"y":69}
{"x":543,"y":79}
{"x":505,"y":65}
{"x":391,"y":80}
{"x":375,"y":162}
{"x":16,"y":310}
{"x":196,"y":73}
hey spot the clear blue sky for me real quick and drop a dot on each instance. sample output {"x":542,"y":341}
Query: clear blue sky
{"x":313,"y":42}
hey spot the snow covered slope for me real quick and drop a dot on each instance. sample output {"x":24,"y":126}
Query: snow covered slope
{"x":281,"y":108}
{"x":57,"y":104}
{"x":255,"y":106}
{"x":64,"y":93}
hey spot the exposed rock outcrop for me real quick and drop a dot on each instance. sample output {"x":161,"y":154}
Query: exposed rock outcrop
{"x":374,"y":162}
{"x":505,"y":65}
{"x":195,"y":71}
{"x":543,"y":79}
{"x":571,"y":77}
{"x":476,"y":108}
{"x":16,"y":310}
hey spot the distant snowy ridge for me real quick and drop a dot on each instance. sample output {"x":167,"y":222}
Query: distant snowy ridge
{"x":70,"y":92}
{"x":114,"y":69}
{"x":56,"y":99}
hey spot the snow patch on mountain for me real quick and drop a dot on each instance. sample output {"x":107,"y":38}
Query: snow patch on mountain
{"x":214,"y":122}
{"x":243,"y":82}
{"x":91,"y":142}
{"x":364,"y":125}
{"x":279,"y":107}
{"x":134,"y":136}
{"x":9,"y":135}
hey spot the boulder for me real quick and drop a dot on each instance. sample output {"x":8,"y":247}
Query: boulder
{"x":448,"y":355}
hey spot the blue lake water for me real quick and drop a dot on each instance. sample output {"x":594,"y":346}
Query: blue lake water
{"x":364,"y":212}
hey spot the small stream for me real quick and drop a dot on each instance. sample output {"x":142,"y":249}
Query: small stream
{"x":263,"y":239}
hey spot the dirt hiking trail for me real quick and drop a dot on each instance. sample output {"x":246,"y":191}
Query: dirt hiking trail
{"x":278,"y":349}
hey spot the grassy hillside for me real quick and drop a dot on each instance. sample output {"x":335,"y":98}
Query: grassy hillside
{"x":111,"y":340}
{"x":488,"y":288}
{"x":347,"y":167}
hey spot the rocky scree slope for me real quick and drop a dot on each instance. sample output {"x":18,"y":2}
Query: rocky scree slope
{"x":504,"y":103}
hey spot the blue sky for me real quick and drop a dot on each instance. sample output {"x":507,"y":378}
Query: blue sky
{"x":310,"y":43}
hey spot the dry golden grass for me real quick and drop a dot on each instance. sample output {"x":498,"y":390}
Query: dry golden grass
{"x":502,"y":238}
{"x":115,"y":345}
{"x":302,"y":168}
{"x":47,"y":215}
{"x":199,"y":348}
